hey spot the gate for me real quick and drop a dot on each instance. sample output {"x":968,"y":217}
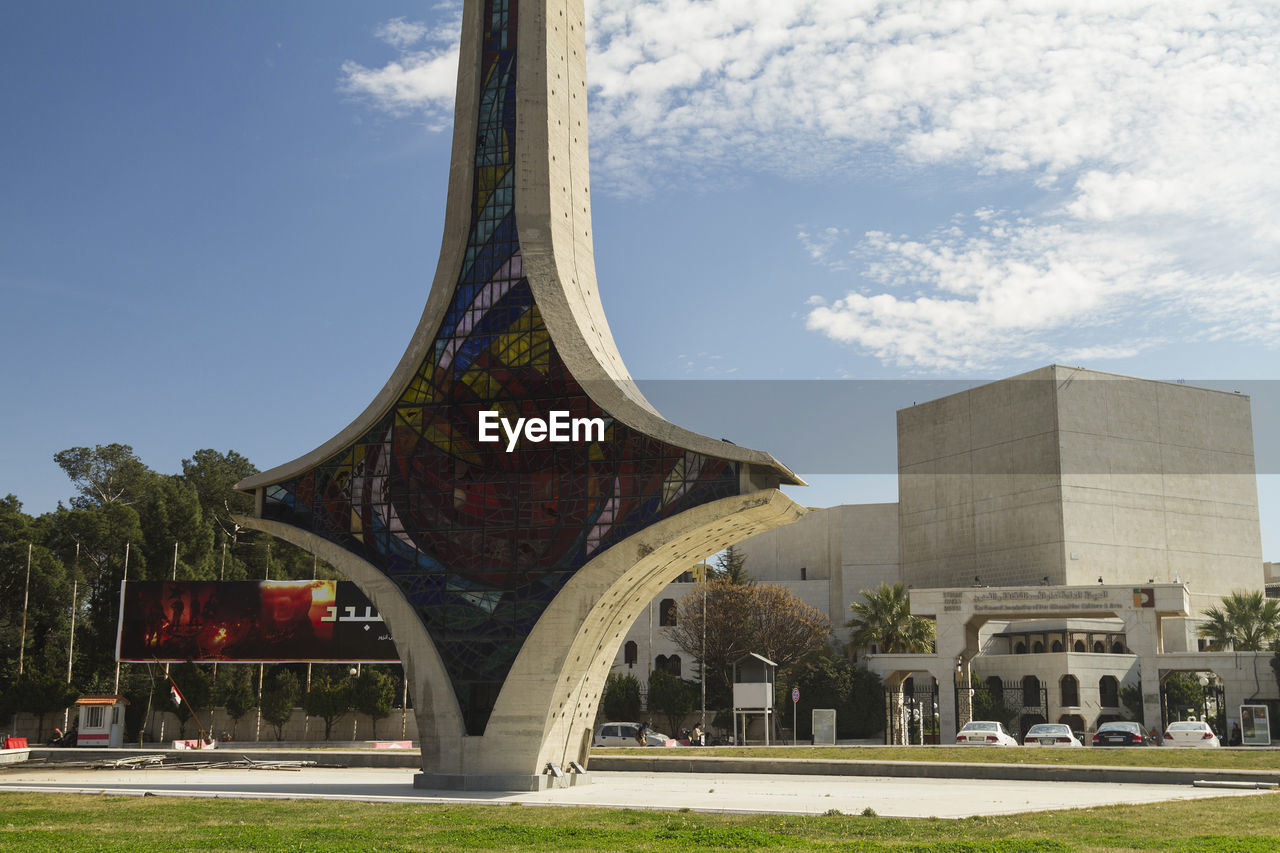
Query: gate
{"x":1017,"y":704}
{"x":912,"y":714}
{"x":1211,"y":706}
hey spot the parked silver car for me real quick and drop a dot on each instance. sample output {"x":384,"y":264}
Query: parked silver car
{"x":624,"y":734}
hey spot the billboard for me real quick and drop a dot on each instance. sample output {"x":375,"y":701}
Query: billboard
{"x":250,"y":621}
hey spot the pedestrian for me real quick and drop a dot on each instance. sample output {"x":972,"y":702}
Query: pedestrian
{"x":699,"y":737}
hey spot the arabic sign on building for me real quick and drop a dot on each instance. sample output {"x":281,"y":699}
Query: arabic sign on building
{"x":1048,"y":600}
{"x":250,"y":621}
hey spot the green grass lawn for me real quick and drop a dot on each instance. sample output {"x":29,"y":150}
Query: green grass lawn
{"x":1209,"y":759}
{"x":65,"y":822}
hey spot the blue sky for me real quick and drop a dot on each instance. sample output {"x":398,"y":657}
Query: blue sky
{"x":219,"y":220}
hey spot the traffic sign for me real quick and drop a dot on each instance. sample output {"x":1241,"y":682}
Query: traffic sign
{"x":795,"y":694}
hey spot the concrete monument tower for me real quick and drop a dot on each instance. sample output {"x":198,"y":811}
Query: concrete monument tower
{"x":508,"y":571}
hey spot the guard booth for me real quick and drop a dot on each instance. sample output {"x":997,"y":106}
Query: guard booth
{"x":101,"y":721}
{"x":753,"y":678}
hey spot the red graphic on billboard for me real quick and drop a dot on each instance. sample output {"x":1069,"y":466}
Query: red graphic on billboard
{"x":250,"y":621}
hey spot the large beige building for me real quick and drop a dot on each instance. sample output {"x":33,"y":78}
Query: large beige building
{"x":1066,"y":476}
{"x":1058,"y":479}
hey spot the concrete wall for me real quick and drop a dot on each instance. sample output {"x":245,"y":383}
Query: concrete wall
{"x":1064,"y":475}
{"x":841,"y":550}
{"x":350,"y":726}
{"x":979,"y":488}
{"x":1157,"y":483}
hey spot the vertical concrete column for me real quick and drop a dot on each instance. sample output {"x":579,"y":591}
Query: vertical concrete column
{"x":1141,"y":627}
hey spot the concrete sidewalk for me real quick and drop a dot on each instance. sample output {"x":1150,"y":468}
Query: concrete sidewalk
{"x":729,"y":792}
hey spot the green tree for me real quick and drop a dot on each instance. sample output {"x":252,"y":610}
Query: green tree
{"x":374,"y":694}
{"x":235,"y":693}
{"x":988,"y":705}
{"x":169,"y":515}
{"x":328,"y":700}
{"x":279,"y":698}
{"x":1246,"y":622}
{"x":39,"y":692}
{"x":621,"y":697}
{"x":883,"y":622}
{"x":1182,"y":693}
{"x":671,"y":696}
{"x":829,"y":680}
{"x":102,"y":532}
{"x":1131,"y":699}
{"x":731,"y":565}
{"x":47,"y":594}
{"x":105,"y":474}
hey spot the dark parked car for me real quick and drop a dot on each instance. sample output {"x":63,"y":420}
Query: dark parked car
{"x":1121,"y":734}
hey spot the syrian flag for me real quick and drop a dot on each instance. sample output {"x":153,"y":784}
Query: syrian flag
{"x":174,"y":694}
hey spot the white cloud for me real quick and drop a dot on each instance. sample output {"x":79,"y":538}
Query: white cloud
{"x":1143,"y":134}
{"x":422,"y":78}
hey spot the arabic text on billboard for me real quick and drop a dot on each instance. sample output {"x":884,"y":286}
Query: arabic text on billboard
{"x":318,"y":620}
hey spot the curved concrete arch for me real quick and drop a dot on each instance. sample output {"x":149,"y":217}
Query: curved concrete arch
{"x":548,"y":703}
{"x":626,"y":514}
{"x":434,"y":705}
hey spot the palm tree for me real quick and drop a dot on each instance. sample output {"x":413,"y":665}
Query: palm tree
{"x":884,"y":622}
{"x":1246,"y":621}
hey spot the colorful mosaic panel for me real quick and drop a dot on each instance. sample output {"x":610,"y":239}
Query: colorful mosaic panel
{"x":480,"y":539}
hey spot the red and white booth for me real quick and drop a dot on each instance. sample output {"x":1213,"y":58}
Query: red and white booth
{"x":101,"y":721}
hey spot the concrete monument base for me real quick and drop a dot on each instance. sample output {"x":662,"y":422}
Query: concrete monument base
{"x":497,"y":781}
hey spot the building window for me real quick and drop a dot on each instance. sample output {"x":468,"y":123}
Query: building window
{"x":660,"y":663}
{"x":1057,"y":645}
{"x":673,"y":665}
{"x":1078,"y":646}
{"x":667,"y":613}
{"x":1030,"y":692}
{"x":1099,"y":647}
{"x":1070,"y":690}
{"x":995,"y":687}
{"x":93,"y":717}
{"x":630,"y":653}
{"x":1020,"y":648}
{"x":1117,"y":648}
{"x":1038,"y":647}
{"x":686,"y":577}
{"x":1108,"y":692}
{"x":804,"y":573}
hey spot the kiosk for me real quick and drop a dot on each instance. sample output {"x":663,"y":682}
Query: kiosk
{"x":101,"y":721}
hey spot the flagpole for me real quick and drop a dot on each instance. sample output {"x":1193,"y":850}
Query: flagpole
{"x":178,"y":699}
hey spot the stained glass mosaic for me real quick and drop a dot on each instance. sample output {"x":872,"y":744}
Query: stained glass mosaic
{"x":480,"y":539}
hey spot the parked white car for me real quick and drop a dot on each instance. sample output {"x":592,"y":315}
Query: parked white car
{"x":1050,"y":734}
{"x":1190,"y":733}
{"x":624,"y":734}
{"x":985,"y":733}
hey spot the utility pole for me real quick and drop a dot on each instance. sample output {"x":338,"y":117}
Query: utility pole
{"x":116,"y":687}
{"x":71,"y":646}
{"x":22,"y":645}
{"x":702,"y":664}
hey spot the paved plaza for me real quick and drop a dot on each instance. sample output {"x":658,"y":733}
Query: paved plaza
{"x":765,"y":793}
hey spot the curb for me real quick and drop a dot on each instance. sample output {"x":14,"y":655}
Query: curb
{"x":931,"y":770}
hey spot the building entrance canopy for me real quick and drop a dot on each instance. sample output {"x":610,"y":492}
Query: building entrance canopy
{"x":961,"y":613}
